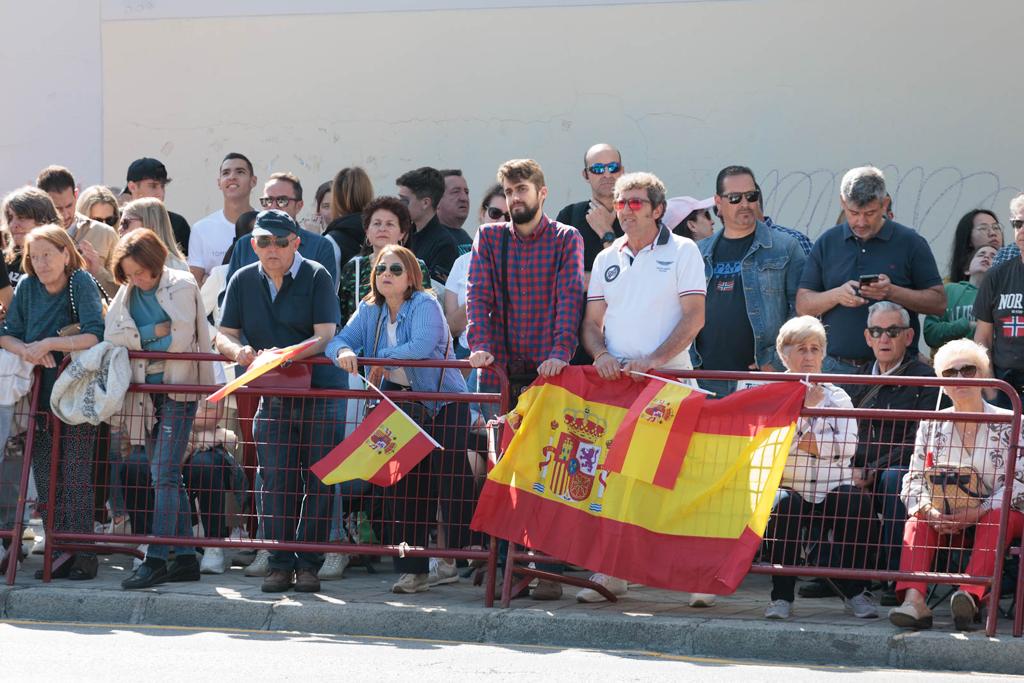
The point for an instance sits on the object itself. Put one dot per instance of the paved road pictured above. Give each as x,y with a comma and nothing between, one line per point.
120,652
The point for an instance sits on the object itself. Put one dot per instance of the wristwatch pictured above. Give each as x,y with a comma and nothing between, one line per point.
608,237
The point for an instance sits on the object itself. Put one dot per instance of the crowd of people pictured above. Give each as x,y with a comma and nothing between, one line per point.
627,280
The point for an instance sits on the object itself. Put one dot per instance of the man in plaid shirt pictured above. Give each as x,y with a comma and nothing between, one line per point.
525,296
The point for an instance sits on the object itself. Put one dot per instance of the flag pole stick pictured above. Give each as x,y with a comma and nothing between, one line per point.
395,406
673,381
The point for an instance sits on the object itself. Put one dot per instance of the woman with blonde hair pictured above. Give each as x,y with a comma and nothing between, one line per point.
99,204
150,212
57,310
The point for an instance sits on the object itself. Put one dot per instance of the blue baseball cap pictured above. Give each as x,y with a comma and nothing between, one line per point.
275,223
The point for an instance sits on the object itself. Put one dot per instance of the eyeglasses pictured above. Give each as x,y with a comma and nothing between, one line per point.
276,202
892,332
1017,224
988,227
494,213
264,241
734,197
395,268
966,371
599,169
634,203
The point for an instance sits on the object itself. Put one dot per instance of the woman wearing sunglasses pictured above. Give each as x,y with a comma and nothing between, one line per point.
151,213
386,222
99,204
397,319
958,320
956,481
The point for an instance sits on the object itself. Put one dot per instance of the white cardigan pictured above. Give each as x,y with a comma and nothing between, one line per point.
814,476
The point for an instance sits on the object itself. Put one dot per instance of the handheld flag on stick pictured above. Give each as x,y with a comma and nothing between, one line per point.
381,450
261,365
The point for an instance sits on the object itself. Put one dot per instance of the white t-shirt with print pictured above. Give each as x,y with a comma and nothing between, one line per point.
458,282
210,239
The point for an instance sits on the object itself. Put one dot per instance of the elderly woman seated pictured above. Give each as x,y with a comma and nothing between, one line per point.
956,481
817,491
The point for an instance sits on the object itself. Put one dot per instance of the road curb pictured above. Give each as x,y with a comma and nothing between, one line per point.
824,644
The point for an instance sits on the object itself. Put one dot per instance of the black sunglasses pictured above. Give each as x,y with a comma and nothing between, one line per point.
599,169
109,220
264,241
494,213
1017,224
892,331
395,268
278,202
734,197
966,371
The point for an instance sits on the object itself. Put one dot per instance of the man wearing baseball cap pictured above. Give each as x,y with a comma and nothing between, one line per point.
279,301
147,177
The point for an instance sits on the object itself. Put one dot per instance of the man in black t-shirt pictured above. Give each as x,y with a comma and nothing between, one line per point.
148,178
421,190
999,311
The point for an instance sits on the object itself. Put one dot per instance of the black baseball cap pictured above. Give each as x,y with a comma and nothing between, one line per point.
275,223
147,169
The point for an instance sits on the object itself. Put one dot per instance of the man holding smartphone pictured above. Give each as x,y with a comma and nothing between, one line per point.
865,259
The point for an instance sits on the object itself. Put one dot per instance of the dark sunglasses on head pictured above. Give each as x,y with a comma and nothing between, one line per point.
395,268
264,241
634,203
892,331
1017,224
966,371
109,220
276,202
599,169
494,213
735,197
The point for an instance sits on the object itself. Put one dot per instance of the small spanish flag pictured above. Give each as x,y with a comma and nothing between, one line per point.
381,450
651,443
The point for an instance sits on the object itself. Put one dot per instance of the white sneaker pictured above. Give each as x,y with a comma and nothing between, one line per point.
861,606
442,572
333,566
617,587
778,609
39,544
702,599
260,566
213,561
137,561
411,583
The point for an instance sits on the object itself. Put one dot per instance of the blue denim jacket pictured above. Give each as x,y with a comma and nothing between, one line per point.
771,273
421,334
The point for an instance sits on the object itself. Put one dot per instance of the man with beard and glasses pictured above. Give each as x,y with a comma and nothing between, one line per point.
525,295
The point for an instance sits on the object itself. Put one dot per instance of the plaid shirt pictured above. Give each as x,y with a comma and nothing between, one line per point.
802,239
545,293
1011,252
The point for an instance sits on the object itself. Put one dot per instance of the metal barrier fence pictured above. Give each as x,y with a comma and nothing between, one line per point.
15,464
824,525
249,487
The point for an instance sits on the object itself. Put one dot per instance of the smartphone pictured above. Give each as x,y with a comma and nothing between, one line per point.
868,279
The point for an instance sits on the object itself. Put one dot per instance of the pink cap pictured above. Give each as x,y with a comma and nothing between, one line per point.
678,208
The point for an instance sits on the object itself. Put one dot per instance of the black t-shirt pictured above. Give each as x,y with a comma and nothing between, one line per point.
727,340
5,280
576,216
462,240
181,229
435,245
1000,301
14,271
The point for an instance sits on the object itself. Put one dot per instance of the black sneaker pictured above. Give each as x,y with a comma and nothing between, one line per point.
183,568
146,576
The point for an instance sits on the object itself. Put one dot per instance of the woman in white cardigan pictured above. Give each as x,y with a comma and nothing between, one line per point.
957,480
817,492
160,309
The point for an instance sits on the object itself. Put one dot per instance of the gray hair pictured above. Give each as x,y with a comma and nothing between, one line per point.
888,307
863,185
642,180
797,330
1017,205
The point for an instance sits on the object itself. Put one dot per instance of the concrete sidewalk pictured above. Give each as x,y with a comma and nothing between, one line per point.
646,619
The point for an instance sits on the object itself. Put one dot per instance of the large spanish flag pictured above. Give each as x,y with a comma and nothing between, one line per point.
382,449
553,492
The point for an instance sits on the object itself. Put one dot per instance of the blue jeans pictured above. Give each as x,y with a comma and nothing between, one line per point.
888,484
165,449
291,434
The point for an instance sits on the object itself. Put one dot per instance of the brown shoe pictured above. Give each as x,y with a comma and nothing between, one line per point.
306,581
547,590
277,581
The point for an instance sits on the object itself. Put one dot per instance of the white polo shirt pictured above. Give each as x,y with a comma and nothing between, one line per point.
642,293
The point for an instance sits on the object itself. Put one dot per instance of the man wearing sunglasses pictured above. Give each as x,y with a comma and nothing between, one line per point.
148,178
281,300
595,218
212,236
867,258
752,274
283,192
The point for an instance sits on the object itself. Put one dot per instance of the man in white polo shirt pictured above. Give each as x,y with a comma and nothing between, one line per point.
645,301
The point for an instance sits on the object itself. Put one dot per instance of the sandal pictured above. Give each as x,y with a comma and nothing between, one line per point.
84,567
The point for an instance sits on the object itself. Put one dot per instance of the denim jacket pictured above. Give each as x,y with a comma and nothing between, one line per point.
771,273
421,334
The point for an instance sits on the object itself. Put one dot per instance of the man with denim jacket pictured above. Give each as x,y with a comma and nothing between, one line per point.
752,275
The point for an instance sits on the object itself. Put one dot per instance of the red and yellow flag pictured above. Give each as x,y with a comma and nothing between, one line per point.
261,365
382,449
553,491
660,421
